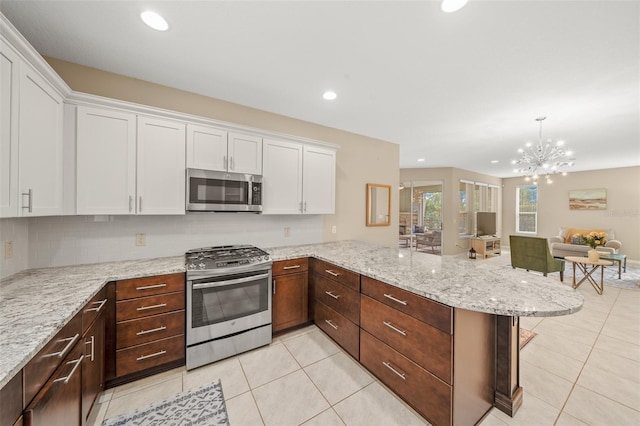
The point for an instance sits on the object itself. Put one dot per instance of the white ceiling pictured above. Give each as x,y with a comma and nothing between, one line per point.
456,89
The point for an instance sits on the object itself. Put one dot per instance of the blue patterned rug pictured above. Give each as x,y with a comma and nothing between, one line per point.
629,280
203,406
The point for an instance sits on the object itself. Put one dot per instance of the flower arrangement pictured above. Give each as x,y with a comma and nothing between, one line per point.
594,239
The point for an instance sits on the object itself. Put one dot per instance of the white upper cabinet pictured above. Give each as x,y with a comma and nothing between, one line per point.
297,178
245,153
206,148
319,180
161,166
106,161
9,84
211,148
40,146
282,177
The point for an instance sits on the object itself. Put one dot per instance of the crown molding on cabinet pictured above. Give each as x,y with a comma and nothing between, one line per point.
22,46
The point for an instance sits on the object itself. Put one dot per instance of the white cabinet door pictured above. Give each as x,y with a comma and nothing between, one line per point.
245,153
282,177
40,146
319,171
161,166
206,148
106,161
9,83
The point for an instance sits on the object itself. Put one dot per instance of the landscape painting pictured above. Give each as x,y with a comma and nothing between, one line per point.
588,199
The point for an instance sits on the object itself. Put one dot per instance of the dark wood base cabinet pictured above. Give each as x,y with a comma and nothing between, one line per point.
290,304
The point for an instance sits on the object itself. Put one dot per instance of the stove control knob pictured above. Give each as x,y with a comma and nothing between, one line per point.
201,265
192,266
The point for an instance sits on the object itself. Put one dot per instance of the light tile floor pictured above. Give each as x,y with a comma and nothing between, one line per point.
582,369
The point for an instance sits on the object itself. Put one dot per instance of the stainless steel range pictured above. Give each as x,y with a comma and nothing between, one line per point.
228,302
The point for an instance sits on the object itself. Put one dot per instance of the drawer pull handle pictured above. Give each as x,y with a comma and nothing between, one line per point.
402,302
77,363
144,308
291,267
64,351
102,303
329,271
335,296
401,375
92,342
331,324
394,328
153,330
143,357
149,287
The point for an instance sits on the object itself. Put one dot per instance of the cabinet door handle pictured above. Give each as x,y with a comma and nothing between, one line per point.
29,195
330,272
130,203
305,206
144,308
148,287
224,161
77,363
331,324
233,165
402,302
335,296
274,286
401,375
394,328
102,303
143,357
63,352
291,267
140,204
91,342
153,330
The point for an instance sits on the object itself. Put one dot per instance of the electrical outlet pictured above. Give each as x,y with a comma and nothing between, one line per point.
8,249
334,229
141,240
287,232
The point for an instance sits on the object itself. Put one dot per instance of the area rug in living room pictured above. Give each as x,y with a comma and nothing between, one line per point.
526,336
629,280
202,406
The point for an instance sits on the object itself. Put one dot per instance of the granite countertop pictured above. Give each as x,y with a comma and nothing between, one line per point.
36,304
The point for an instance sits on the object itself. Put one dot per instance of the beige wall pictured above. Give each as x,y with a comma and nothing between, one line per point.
360,159
451,177
623,205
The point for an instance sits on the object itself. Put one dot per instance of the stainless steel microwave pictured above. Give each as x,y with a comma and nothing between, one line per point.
212,191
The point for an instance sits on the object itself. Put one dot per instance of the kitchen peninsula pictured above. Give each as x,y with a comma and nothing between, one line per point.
36,304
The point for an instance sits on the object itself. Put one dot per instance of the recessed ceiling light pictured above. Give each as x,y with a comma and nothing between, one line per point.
154,20
452,5
420,160
495,161
329,95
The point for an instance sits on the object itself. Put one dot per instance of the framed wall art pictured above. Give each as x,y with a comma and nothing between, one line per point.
588,199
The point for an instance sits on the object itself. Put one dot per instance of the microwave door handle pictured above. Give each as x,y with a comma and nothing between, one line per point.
230,282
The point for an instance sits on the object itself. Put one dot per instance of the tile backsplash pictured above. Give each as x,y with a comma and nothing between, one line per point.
67,240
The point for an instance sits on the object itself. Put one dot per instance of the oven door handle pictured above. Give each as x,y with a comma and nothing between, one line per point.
230,282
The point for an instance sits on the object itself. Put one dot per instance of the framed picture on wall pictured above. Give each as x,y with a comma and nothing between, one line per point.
588,199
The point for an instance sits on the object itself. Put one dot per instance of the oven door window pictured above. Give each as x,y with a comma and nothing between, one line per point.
218,191
216,301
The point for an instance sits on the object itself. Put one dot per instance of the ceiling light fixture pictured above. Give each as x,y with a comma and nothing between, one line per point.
329,95
420,160
452,5
543,159
154,20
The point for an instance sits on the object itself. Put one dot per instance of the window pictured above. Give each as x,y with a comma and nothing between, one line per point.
465,215
527,209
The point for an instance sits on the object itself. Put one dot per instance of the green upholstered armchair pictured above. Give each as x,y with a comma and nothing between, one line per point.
532,254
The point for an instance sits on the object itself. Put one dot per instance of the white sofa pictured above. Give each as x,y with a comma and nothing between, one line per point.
562,247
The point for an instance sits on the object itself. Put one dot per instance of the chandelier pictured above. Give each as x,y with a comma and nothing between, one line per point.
543,159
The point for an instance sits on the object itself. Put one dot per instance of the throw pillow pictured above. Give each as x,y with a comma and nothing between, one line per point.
576,239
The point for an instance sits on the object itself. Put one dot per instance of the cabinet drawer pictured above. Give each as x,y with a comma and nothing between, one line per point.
149,286
338,297
290,266
339,328
144,330
40,368
11,400
434,313
430,396
425,345
95,307
336,273
138,358
145,306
